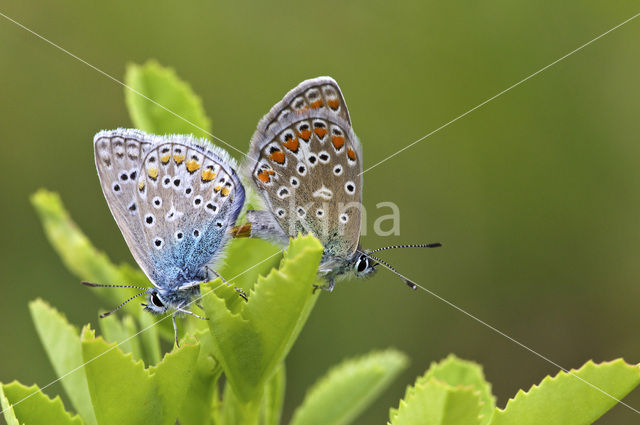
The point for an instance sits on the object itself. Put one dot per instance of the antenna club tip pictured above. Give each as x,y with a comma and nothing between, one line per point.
84,282
103,315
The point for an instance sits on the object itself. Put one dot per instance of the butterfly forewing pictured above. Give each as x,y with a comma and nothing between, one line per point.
307,165
118,155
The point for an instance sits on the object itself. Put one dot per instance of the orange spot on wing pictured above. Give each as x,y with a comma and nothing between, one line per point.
178,158
208,175
217,188
320,132
225,191
192,165
338,141
277,156
292,144
351,154
305,134
264,175
165,158
333,103
316,104
153,172
141,185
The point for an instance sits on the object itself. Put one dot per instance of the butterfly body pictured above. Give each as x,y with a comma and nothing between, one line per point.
174,199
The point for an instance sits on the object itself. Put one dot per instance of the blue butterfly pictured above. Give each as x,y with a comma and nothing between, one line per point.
174,199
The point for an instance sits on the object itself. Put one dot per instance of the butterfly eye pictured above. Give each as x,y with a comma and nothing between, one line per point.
363,263
156,300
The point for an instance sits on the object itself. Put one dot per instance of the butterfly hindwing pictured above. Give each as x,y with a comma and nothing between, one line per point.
191,198
307,163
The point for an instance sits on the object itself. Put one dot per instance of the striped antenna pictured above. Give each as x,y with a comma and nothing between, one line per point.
103,315
100,285
393,270
424,245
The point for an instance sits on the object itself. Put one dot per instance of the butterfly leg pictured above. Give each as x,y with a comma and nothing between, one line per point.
175,328
216,274
328,287
182,310
240,292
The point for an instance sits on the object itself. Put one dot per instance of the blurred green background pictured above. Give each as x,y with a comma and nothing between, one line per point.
535,195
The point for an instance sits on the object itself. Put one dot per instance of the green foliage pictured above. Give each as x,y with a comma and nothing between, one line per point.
161,86
250,344
568,399
107,381
32,407
454,391
123,391
61,342
456,372
347,389
434,402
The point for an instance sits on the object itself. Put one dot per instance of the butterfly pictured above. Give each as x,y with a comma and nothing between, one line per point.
174,199
306,163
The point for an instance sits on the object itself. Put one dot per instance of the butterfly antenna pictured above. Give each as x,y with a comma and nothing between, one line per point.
421,245
100,285
393,270
103,315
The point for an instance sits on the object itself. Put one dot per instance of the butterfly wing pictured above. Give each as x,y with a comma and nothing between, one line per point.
192,197
306,162
118,155
186,196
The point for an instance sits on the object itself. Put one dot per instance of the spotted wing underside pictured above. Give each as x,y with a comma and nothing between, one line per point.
306,162
179,205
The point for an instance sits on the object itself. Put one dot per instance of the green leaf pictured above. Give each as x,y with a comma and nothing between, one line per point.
432,402
7,409
238,412
566,399
32,407
61,342
161,86
246,263
252,343
79,255
273,398
122,332
456,372
340,396
123,391
201,396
